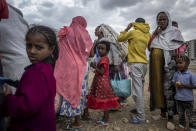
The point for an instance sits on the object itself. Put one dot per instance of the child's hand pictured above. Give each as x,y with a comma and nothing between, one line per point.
158,30
7,89
93,64
178,84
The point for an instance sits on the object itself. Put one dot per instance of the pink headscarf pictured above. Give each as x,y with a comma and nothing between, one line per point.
74,45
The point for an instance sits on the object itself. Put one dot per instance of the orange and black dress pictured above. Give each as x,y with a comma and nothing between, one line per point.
102,96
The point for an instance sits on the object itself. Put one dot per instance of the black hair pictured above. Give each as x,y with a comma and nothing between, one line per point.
162,13
98,27
165,14
185,59
106,43
50,37
174,22
140,20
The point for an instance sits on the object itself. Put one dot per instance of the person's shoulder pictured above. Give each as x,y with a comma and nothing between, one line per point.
191,73
179,74
176,73
104,59
175,29
41,67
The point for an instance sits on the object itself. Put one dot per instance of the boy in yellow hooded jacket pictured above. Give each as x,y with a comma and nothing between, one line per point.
138,39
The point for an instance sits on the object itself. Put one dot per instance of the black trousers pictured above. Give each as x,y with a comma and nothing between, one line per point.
186,107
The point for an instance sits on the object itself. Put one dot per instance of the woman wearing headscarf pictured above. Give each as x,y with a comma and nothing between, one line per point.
104,31
71,70
164,41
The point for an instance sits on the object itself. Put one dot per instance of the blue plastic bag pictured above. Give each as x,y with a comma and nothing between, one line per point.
6,80
121,87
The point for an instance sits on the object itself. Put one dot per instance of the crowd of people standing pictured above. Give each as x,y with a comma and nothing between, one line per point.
51,76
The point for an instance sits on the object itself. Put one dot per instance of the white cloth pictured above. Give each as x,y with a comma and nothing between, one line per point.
12,44
164,40
118,50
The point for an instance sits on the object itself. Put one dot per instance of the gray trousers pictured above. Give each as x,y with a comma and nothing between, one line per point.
138,72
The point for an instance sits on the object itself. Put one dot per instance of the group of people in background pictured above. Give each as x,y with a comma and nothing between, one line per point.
51,75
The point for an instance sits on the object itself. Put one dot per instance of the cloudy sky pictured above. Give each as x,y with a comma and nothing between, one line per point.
117,13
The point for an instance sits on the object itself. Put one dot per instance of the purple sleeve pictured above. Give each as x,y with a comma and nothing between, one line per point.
32,94
193,79
174,77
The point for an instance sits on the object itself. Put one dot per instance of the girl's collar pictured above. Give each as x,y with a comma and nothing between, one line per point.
48,60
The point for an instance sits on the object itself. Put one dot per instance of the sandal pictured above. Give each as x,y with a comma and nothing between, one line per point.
100,119
135,120
74,128
101,123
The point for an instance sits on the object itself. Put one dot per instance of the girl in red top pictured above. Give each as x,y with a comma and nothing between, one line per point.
102,96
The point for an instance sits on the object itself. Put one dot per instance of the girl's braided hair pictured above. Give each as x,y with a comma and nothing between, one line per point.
50,37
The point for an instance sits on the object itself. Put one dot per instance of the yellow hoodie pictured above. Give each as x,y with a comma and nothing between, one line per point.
138,40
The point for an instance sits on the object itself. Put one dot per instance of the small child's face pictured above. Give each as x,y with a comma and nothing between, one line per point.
102,49
37,48
181,65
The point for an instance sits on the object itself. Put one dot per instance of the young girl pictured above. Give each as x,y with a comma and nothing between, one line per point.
32,107
101,96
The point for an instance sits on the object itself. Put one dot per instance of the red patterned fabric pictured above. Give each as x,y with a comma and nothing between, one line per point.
104,61
102,96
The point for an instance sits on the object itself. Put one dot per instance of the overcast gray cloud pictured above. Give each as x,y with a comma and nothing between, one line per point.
47,4
110,4
117,13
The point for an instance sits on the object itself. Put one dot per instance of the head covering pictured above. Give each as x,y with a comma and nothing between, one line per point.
143,27
111,36
108,33
3,10
164,39
74,45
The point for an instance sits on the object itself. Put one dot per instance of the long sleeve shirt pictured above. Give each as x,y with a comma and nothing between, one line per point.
32,107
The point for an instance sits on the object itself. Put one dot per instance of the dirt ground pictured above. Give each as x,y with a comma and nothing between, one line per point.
119,119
